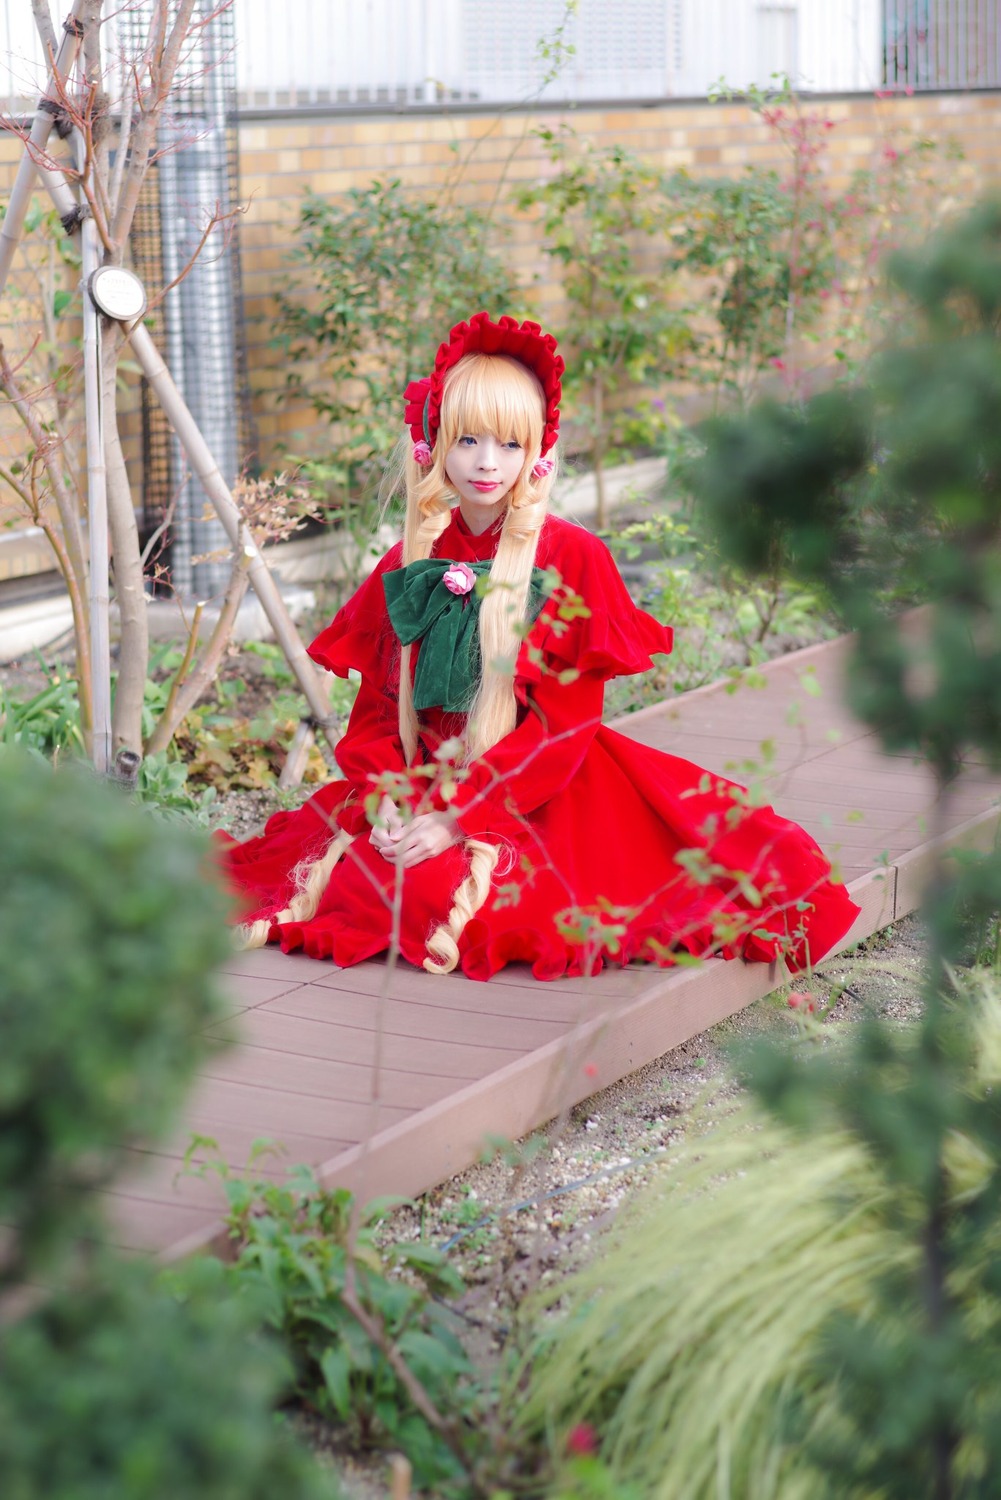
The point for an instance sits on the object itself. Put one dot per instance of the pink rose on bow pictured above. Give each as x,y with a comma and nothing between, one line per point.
459,579
423,455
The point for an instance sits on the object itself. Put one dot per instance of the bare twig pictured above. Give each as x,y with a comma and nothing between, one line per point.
124,135
47,449
374,1330
182,701
165,524
218,216
167,717
19,489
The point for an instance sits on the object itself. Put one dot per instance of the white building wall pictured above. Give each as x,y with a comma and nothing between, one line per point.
418,52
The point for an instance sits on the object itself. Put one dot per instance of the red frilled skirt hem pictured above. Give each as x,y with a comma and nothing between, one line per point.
485,949
613,894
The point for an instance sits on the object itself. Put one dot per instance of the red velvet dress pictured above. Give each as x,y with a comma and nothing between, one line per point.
609,849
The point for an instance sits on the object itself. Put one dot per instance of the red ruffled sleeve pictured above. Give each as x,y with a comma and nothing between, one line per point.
611,637
359,638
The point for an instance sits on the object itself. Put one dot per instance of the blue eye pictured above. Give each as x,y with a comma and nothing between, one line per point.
465,439
512,444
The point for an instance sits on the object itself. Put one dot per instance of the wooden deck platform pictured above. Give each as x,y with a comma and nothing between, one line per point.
392,1088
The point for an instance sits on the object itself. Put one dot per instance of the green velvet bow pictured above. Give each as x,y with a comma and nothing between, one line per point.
447,625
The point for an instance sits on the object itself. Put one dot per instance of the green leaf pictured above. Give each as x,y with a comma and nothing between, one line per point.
336,1371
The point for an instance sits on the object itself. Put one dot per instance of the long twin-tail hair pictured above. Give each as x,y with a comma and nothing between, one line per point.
483,393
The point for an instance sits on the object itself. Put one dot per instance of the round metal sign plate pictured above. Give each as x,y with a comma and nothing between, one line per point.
118,293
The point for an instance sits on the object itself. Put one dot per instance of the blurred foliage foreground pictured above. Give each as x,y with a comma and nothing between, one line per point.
111,1385
811,1305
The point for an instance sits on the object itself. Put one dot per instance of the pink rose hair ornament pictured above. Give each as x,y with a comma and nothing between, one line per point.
525,342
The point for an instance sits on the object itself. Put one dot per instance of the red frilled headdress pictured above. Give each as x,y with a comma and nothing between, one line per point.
525,342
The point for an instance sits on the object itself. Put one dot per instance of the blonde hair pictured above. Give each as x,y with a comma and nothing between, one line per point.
488,393
495,394
309,881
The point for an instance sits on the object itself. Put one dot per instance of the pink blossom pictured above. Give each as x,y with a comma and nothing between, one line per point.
800,998
779,364
542,467
591,1070
422,454
459,579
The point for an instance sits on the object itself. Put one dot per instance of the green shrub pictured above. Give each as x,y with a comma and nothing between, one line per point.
387,273
779,1316
340,1301
124,1391
605,218
112,1387
110,925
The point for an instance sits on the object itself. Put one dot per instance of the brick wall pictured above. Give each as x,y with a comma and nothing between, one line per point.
280,159
329,153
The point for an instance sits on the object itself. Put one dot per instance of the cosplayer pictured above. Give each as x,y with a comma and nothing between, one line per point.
486,816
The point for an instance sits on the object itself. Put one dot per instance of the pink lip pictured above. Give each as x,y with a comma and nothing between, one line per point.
484,484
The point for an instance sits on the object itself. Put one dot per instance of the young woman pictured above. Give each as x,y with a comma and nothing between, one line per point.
486,815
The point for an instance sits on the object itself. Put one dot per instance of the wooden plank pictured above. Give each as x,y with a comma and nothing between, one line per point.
325,1078
138,1224
412,1018
516,999
216,1101
355,1044
248,990
271,963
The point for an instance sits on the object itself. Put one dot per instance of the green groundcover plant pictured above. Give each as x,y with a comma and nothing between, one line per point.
367,1326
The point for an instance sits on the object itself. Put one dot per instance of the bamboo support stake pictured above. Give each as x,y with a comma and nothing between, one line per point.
298,755
97,509
400,1473
205,466
41,128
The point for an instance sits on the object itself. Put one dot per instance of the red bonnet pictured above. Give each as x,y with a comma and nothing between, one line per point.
524,342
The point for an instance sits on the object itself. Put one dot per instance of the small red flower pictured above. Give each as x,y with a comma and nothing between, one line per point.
800,998
582,1440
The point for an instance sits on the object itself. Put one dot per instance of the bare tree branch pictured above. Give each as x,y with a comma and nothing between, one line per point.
46,30
162,54
183,698
47,449
129,94
217,217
